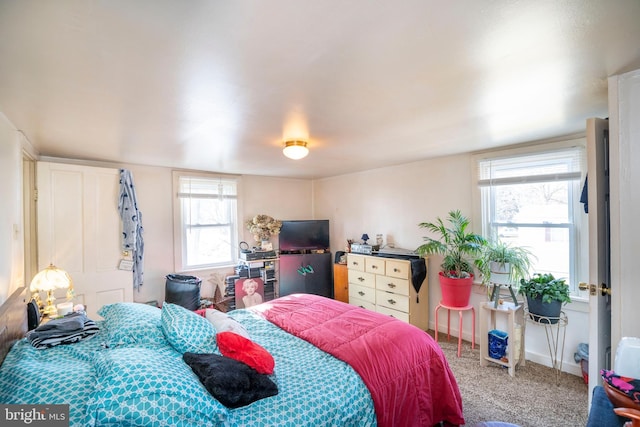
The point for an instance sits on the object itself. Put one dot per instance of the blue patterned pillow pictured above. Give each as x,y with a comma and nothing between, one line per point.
186,331
143,387
132,323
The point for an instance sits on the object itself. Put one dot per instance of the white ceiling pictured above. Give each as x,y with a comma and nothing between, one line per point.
217,85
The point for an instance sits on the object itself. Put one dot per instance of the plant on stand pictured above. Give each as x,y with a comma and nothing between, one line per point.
459,247
502,264
545,296
263,227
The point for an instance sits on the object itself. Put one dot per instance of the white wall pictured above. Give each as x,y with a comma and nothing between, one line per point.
11,223
394,200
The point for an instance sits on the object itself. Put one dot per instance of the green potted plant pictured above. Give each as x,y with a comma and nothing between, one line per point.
503,264
458,246
545,296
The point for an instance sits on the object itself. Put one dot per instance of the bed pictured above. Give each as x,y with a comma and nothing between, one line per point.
331,364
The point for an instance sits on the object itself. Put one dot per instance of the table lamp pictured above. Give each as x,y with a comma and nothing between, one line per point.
364,238
48,280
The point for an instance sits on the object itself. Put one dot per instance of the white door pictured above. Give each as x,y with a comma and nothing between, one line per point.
599,250
79,230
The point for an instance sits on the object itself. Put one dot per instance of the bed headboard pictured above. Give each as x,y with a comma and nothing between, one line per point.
13,320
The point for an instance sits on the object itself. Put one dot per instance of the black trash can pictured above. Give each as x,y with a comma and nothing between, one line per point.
183,290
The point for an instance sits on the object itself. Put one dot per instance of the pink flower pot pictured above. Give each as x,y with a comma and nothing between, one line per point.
455,292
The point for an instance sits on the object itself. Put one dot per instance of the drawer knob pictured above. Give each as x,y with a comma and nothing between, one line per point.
391,301
396,270
361,279
361,293
374,267
354,263
391,285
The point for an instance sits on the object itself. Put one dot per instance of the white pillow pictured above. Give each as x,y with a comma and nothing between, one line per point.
223,323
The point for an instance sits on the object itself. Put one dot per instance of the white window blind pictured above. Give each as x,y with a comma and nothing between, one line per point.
560,165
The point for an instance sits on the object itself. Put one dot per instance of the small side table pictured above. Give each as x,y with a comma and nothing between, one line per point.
553,327
488,314
459,310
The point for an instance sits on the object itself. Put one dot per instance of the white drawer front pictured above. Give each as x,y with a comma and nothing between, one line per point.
362,293
400,269
362,303
355,262
393,313
374,265
392,284
393,301
361,278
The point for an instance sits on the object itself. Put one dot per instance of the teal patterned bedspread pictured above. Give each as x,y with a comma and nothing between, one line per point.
146,383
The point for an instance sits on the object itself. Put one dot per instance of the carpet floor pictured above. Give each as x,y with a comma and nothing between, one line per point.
532,398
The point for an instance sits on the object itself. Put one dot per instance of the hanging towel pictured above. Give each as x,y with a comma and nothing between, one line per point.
584,197
131,226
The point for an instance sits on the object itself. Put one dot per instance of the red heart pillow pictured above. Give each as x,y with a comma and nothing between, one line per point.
244,350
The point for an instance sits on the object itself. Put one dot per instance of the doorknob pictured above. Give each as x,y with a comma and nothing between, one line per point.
593,289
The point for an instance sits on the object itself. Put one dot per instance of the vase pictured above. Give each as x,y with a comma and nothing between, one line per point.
265,245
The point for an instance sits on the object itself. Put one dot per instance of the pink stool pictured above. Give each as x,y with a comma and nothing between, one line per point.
459,310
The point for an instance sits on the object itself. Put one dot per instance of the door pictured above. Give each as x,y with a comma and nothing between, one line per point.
599,250
79,231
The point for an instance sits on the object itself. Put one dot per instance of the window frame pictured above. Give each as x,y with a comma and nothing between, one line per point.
180,226
578,222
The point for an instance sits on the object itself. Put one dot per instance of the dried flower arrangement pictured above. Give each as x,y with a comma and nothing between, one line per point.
263,227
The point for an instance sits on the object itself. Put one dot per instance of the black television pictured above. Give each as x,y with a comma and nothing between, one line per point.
303,236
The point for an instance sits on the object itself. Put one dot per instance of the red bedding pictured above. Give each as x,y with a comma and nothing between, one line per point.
403,367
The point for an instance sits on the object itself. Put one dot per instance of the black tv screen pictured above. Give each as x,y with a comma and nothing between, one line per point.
304,235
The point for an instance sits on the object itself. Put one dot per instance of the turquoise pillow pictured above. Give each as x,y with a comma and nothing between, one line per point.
139,386
132,323
187,331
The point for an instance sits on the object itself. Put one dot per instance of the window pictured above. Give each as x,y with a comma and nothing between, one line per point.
205,215
532,199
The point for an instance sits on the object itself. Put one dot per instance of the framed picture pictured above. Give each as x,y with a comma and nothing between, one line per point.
249,292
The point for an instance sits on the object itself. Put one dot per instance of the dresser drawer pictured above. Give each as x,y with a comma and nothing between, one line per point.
392,284
399,269
393,301
362,303
362,278
374,265
355,262
393,313
362,293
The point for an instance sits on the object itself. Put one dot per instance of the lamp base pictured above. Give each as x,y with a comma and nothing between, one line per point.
50,310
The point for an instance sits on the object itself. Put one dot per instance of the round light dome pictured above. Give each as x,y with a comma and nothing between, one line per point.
295,149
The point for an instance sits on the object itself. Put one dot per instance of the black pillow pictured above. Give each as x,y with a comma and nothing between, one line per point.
233,383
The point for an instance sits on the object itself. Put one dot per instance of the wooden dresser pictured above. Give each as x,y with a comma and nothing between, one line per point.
384,285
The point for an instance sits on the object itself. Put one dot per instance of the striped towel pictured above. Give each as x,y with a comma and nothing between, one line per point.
61,331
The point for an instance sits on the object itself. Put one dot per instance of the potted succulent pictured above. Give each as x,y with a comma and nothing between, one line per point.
503,264
458,246
545,296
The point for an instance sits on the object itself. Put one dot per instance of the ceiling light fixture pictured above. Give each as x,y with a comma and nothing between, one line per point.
295,149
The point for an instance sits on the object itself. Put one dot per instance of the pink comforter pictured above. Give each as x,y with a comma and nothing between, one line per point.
403,367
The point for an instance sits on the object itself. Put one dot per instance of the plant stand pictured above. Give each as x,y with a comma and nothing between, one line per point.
495,293
488,314
459,310
553,331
